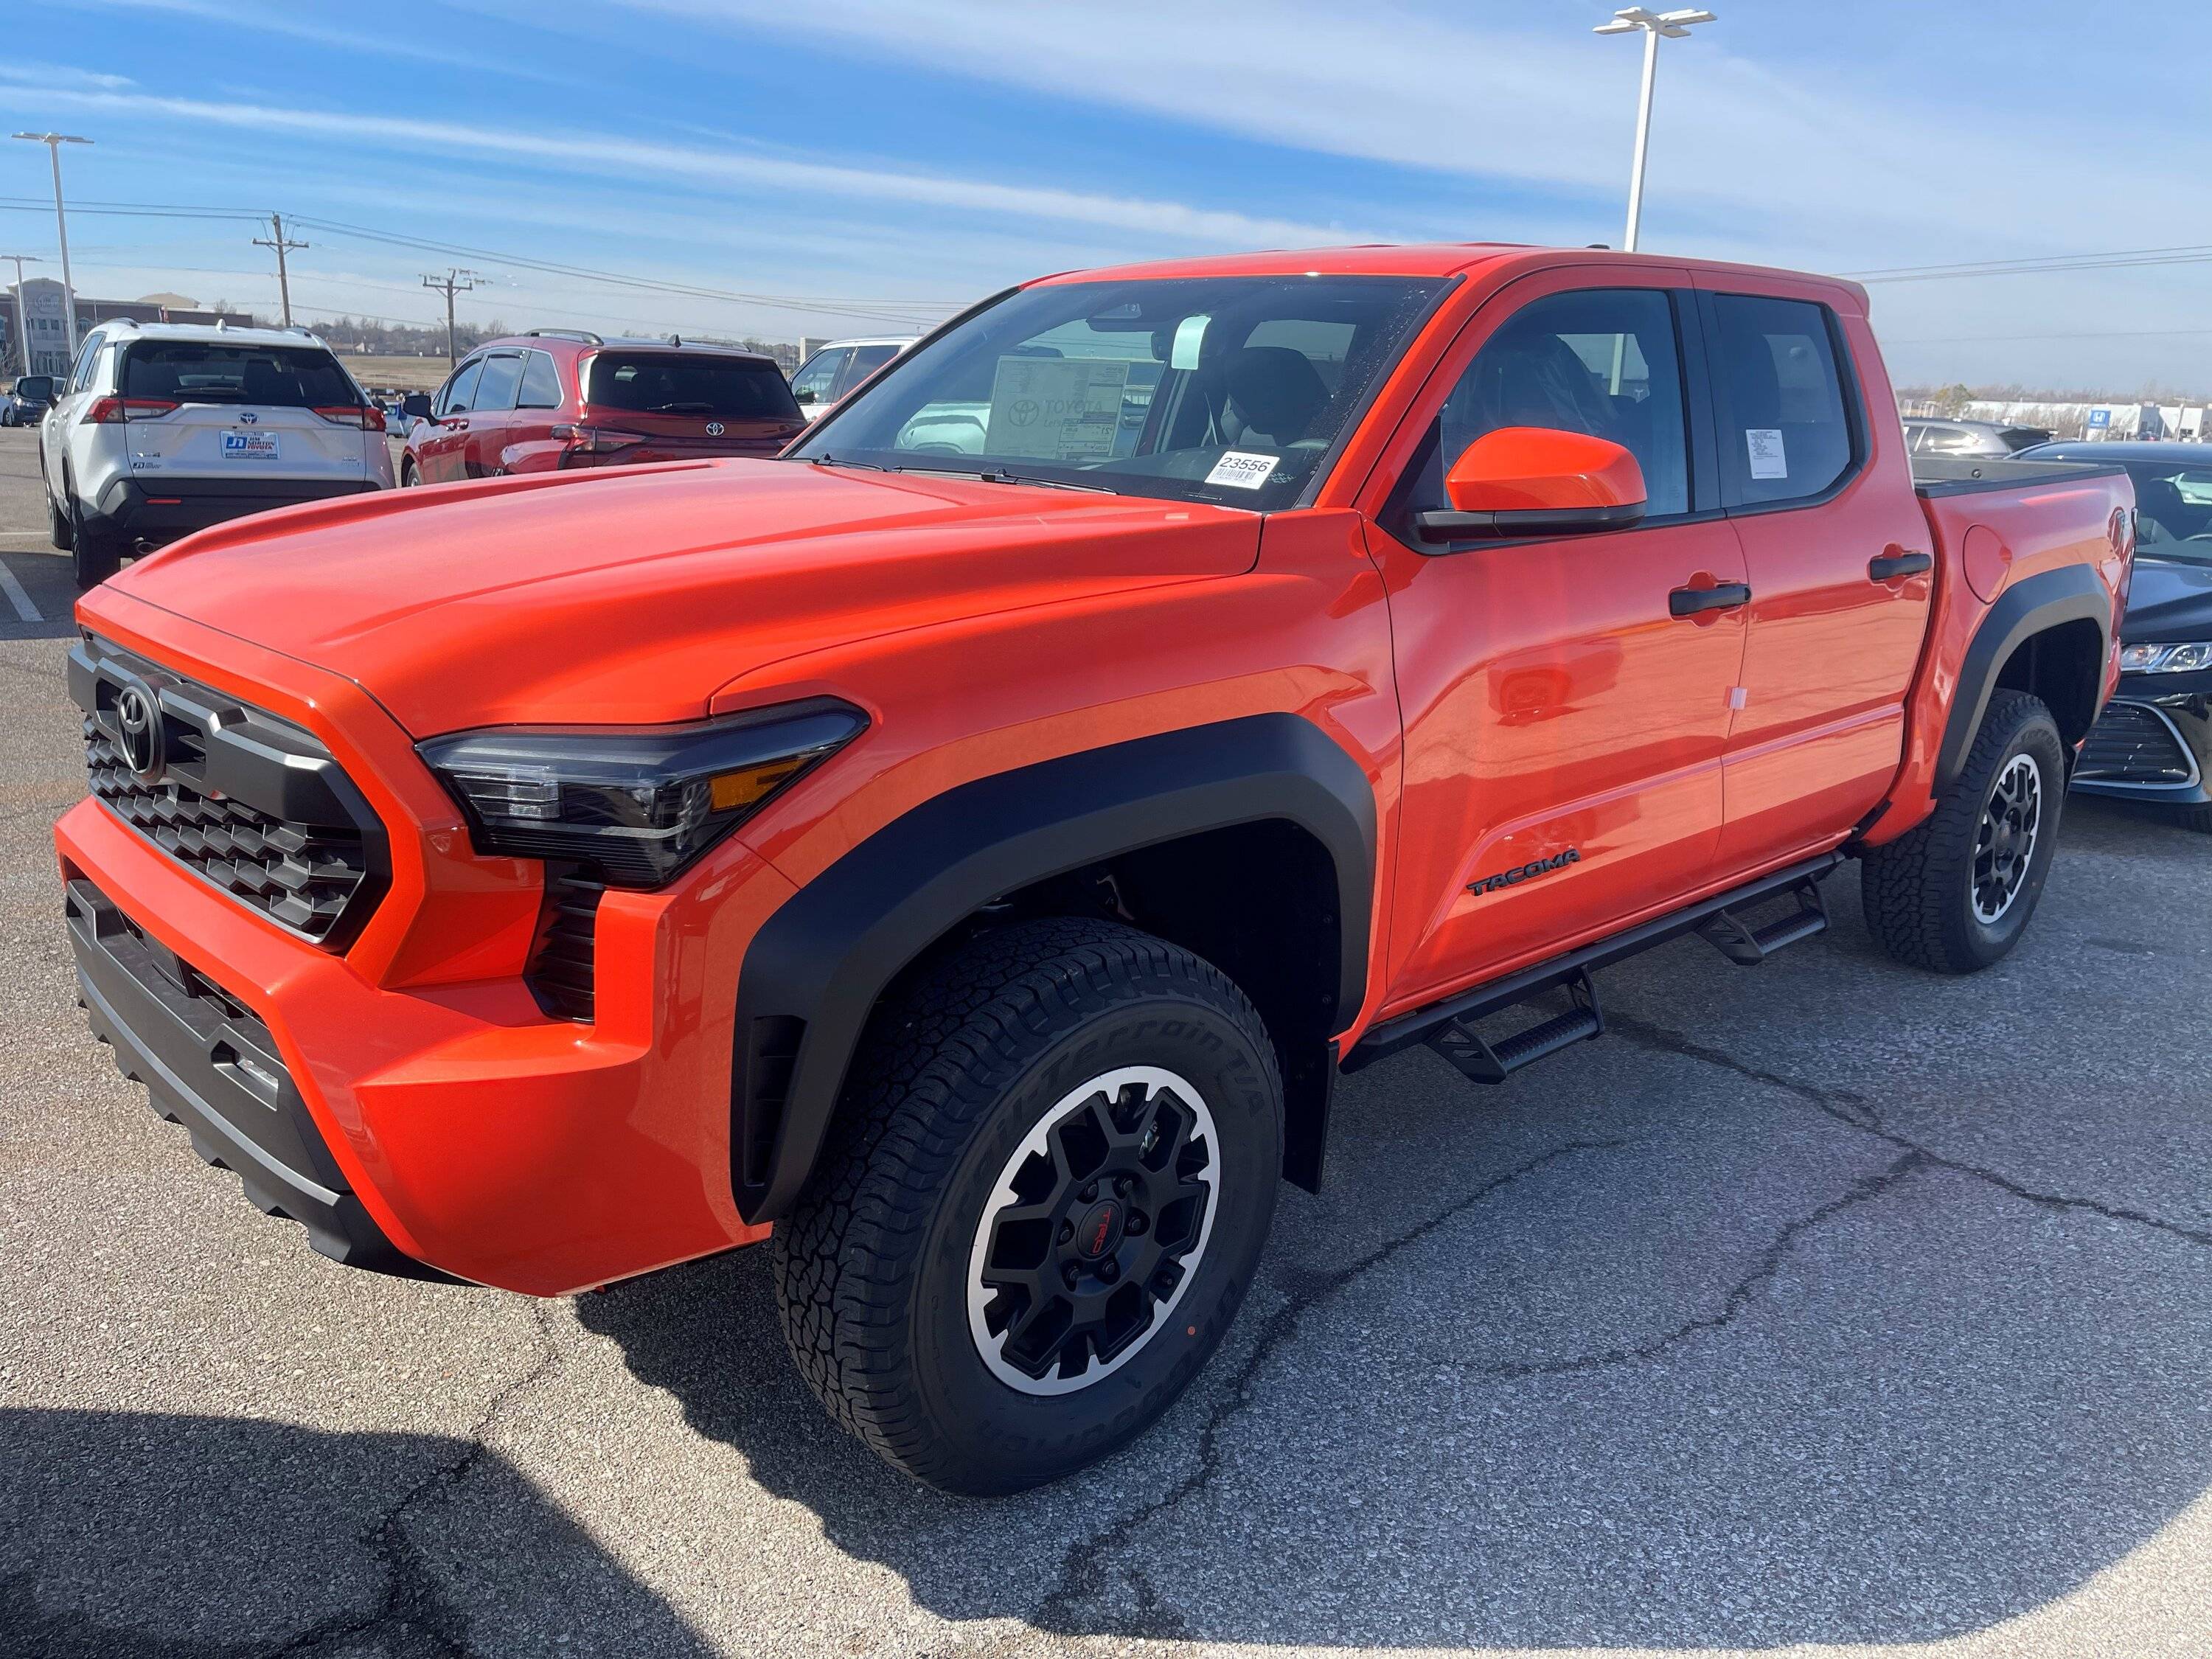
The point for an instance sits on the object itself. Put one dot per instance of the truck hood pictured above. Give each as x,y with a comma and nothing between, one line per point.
632,596
2169,599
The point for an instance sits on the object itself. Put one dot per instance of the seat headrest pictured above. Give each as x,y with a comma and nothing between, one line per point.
1275,390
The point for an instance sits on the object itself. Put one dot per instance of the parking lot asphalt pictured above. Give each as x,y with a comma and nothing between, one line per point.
1826,1305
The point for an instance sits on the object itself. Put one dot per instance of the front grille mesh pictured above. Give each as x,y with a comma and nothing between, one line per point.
2130,744
299,875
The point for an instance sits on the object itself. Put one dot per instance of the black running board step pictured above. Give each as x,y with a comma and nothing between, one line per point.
1748,947
1482,1061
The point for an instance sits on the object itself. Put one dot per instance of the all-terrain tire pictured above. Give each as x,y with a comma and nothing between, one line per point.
1918,892
965,1064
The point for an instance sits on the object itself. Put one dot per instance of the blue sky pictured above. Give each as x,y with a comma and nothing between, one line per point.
854,163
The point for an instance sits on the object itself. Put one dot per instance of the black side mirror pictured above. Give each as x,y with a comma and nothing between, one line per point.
804,394
416,405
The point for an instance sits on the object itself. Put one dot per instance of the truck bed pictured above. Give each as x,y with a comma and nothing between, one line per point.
1936,475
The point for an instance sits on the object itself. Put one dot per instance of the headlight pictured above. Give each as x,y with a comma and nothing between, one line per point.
637,803
2166,658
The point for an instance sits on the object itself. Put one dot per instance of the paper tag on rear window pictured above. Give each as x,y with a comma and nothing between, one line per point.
1241,468
1767,460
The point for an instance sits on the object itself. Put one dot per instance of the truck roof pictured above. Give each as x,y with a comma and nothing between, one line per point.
1425,259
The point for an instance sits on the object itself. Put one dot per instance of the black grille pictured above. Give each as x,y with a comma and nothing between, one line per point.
2132,743
252,803
562,972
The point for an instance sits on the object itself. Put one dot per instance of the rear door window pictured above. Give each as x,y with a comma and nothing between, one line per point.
541,383
501,380
865,361
1787,422
682,383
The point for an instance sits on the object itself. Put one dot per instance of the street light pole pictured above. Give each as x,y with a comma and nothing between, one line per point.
53,142
22,317
1675,25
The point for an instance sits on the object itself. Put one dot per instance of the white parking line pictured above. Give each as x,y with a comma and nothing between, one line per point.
17,597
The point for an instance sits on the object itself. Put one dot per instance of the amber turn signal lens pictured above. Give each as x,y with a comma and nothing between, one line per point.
731,790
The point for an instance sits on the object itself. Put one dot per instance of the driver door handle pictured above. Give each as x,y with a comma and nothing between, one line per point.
1888,567
1690,601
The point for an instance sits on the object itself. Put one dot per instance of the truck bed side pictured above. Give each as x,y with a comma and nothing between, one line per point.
2031,560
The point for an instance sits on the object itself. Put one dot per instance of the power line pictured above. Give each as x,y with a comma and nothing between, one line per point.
449,285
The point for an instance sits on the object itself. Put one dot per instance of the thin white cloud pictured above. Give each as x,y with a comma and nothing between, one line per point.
62,76
607,154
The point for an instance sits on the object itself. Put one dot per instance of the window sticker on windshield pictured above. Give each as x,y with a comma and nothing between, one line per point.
1767,460
1056,409
1242,468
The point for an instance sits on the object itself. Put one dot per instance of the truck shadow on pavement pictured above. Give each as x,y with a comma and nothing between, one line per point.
138,1535
1670,1350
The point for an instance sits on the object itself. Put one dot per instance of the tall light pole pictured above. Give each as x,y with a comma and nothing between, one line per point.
53,142
1675,25
22,317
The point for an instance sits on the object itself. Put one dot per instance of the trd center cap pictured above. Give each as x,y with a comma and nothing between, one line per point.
1100,1229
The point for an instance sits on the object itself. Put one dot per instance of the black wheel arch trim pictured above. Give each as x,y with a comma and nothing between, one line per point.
2035,604
816,970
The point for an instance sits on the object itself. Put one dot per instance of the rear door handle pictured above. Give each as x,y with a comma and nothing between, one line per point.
1890,566
1689,601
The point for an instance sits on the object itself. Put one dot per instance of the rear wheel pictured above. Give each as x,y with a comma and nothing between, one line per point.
60,527
1043,1202
408,479
98,551
1956,893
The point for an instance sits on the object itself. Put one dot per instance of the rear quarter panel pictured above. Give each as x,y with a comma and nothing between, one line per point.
1986,542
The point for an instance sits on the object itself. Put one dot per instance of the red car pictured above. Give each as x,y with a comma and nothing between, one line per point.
553,399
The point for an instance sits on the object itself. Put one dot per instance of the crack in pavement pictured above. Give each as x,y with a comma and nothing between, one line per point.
1856,1112
1083,1576
412,1603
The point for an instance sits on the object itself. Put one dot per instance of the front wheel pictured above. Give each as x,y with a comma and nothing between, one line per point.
1043,1199
1955,894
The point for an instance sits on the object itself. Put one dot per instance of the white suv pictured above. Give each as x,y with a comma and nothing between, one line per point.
165,429
837,367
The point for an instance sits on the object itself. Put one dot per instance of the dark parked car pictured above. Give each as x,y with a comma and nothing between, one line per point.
2155,741
28,403
1932,437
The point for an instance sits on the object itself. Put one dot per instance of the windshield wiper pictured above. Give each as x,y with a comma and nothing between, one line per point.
846,460
692,407
999,475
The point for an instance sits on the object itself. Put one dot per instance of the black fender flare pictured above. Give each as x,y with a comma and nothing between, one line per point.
2033,605
816,970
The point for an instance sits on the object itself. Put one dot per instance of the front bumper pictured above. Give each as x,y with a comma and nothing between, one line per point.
212,1067
2150,747
477,1135
162,510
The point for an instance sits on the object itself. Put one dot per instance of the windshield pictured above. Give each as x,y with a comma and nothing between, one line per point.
677,383
1227,389
2174,510
273,377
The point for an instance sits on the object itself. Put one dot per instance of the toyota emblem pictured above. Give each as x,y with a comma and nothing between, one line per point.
247,417
714,428
138,732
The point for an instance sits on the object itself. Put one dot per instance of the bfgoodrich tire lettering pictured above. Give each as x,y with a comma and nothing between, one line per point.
958,1070
1931,898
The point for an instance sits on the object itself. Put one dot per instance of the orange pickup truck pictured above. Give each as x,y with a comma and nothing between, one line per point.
966,850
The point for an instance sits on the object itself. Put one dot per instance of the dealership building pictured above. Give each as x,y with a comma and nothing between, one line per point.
41,308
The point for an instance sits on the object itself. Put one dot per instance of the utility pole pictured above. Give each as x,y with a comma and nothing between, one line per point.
455,280
1675,25
284,280
22,318
53,142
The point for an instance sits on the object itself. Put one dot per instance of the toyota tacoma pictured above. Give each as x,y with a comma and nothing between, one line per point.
964,851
